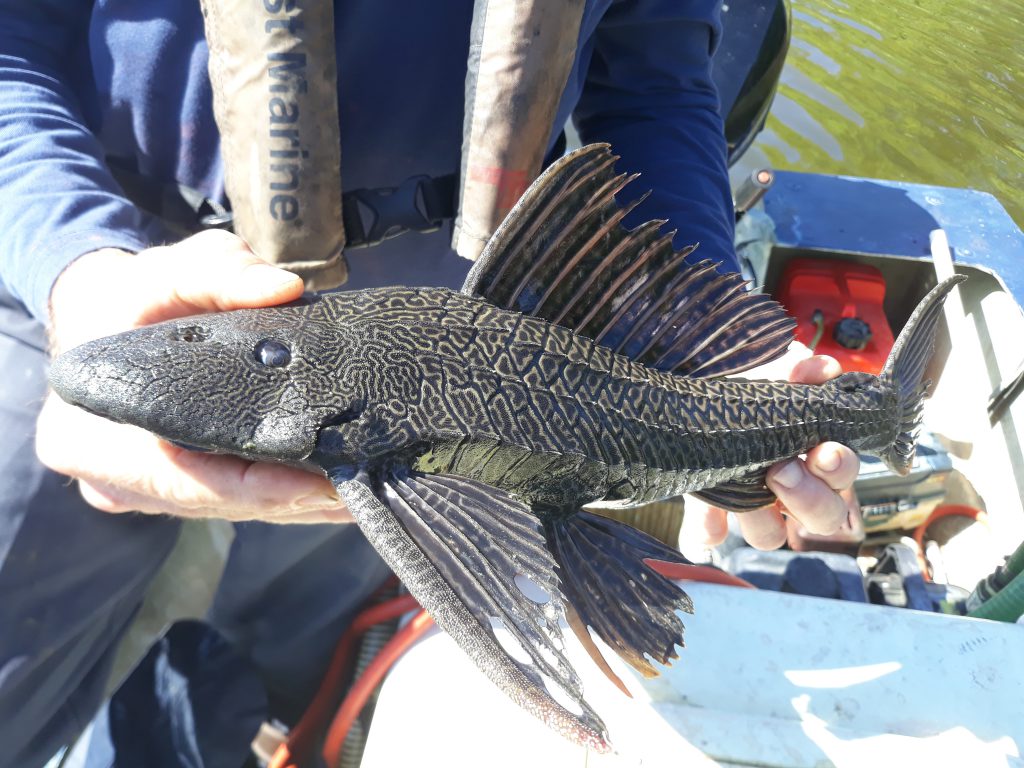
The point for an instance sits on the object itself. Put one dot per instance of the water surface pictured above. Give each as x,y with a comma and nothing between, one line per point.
926,91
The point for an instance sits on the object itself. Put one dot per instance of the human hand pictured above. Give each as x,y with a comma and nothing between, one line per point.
121,468
815,491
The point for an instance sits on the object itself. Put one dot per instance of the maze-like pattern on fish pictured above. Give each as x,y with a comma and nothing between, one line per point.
529,406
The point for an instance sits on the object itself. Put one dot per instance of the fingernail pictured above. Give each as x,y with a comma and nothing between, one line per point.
830,367
828,459
267,276
789,476
318,501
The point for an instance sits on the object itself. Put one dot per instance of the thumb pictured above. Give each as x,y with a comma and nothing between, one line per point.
212,271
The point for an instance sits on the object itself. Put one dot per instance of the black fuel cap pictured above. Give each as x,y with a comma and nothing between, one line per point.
852,333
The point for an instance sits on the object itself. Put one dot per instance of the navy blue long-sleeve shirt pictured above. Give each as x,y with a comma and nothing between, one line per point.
81,80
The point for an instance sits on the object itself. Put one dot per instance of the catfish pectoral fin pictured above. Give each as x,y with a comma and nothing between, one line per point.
615,592
458,546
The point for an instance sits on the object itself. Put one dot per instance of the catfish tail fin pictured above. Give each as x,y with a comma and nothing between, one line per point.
904,371
612,590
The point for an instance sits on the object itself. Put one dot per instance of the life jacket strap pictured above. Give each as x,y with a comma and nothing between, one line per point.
418,204
371,215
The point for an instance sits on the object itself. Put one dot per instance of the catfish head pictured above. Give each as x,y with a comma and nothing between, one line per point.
257,383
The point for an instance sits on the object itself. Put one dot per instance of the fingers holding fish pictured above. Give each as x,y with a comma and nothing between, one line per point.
704,525
123,468
109,290
211,271
708,526
763,528
834,464
113,500
811,490
221,486
816,369
105,498
815,495
810,498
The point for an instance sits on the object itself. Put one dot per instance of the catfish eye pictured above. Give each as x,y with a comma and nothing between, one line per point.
272,353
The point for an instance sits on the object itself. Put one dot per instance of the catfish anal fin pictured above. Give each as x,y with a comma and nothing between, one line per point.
741,495
433,531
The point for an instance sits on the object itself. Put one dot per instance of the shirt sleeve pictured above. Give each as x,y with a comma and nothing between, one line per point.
57,197
649,93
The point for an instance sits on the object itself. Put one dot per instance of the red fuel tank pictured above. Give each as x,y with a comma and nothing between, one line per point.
840,304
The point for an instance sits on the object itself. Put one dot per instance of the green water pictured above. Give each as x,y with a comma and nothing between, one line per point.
927,91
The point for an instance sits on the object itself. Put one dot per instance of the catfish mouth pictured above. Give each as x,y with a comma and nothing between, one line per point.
335,420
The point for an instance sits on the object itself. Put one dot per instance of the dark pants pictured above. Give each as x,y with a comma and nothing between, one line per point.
71,579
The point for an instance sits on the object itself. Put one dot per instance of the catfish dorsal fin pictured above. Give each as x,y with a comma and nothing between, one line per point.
562,255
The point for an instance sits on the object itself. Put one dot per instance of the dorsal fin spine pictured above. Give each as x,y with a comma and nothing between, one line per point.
610,258
612,289
603,231
606,192
591,167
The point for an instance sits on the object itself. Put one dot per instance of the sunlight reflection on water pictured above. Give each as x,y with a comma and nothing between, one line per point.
895,90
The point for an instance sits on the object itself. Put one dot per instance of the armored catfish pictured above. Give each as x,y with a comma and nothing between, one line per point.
580,363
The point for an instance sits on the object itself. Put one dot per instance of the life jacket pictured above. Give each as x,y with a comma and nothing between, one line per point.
274,79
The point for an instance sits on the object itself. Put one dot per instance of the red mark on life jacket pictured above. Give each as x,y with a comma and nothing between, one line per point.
510,184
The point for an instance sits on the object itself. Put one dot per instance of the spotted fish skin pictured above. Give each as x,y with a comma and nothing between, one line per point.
464,430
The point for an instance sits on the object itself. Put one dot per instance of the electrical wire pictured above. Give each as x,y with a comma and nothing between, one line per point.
818,318
363,687
288,755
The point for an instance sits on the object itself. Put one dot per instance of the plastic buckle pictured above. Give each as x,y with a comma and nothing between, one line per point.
388,212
